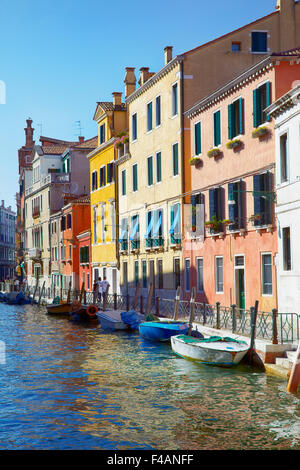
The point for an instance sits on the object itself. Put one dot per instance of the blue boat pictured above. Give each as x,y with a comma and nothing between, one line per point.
162,330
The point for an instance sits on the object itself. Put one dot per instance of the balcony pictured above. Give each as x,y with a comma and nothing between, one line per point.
123,246
175,241
154,243
34,253
134,245
123,154
49,179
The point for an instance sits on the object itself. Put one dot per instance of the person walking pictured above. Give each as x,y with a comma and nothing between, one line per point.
105,287
95,291
100,290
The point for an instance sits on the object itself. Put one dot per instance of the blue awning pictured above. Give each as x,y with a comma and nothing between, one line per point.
158,225
150,225
175,222
123,235
134,229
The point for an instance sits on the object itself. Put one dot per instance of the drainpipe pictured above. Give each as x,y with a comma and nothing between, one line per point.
182,151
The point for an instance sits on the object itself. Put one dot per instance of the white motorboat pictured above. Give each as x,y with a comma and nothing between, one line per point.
214,350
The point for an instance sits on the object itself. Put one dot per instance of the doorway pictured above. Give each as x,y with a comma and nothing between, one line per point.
240,294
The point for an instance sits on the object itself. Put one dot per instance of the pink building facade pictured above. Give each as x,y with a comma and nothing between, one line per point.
233,177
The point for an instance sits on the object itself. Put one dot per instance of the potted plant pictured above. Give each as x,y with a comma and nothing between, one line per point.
254,217
214,152
234,144
260,132
215,224
195,160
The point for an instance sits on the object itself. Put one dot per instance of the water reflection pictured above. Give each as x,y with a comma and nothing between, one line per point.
68,386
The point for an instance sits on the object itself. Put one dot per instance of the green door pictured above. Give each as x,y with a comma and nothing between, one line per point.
241,288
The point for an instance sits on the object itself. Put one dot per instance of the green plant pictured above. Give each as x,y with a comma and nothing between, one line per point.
215,223
195,160
214,152
234,144
260,131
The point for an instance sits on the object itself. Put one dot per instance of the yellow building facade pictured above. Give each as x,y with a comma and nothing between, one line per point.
111,119
151,183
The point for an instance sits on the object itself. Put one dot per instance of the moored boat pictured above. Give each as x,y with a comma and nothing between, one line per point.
60,309
162,330
111,320
85,314
215,350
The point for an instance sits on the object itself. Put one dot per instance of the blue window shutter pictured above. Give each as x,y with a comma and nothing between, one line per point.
212,203
232,208
219,202
241,112
230,123
268,201
193,204
217,128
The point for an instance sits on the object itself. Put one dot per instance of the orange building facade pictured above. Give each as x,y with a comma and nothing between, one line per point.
230,255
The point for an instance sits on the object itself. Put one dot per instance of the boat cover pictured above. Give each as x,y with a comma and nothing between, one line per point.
131,318
211,339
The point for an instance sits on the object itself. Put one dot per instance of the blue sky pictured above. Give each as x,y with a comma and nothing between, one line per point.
57,58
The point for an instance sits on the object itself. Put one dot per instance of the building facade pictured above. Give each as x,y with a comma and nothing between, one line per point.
286,114
111,118
233,178
7,242
85,268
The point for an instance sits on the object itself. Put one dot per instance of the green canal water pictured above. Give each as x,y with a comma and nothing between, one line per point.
68,386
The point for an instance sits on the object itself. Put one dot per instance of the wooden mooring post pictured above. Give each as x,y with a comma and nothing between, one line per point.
136,296
41,293
192,311
294,379
149,300
176,303
35,289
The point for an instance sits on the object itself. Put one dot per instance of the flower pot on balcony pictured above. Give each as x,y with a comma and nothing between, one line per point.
260,132
214,152
234,144
194,161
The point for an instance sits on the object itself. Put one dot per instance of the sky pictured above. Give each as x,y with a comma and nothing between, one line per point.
59,57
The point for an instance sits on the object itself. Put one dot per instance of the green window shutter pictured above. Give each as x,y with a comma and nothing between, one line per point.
135,180
150,171
217,128
241,115
256,108
175,159
197,130
268,96
124,182
230,121
158,167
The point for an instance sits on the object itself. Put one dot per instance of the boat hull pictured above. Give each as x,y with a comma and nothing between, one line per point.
162,331
221,354
81,316
111,320
59,309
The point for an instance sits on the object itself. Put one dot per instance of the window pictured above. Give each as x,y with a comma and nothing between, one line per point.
286,248
135,232
123,238
149,117
144,274
283,158
134,178
84,254
136,272
176,272
123,182
95,224
259,41
217,128
158,167
69,221
102,176
266,262
196,201
175,230
216,198
158,111
200,274
110,172
125,275
187,273
236,46
70,251
160,274
236,205
134,126
103,225
94,180
197,135
175,159
262,196
63,223
157,231
174,99
219,275
102,133
150,170
113,220
235,118
261,100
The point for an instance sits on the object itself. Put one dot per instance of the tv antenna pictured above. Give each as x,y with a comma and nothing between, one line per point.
79,128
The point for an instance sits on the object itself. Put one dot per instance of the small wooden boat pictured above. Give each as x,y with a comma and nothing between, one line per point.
214,350
162,330
111,320
60,309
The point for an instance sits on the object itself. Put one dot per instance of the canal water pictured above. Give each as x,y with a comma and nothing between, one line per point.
68,386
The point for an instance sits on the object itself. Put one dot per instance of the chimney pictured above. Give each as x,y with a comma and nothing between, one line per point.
144,75
117,98
168,54
287,21
81,139
130,81
29,134
2,203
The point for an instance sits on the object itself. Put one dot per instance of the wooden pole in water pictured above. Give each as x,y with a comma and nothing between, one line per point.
148,307
69,293
192,311
294,379
136,297
176,303
36,286
81,293
41,293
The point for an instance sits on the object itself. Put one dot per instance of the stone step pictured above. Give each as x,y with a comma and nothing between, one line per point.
284,362
274,369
